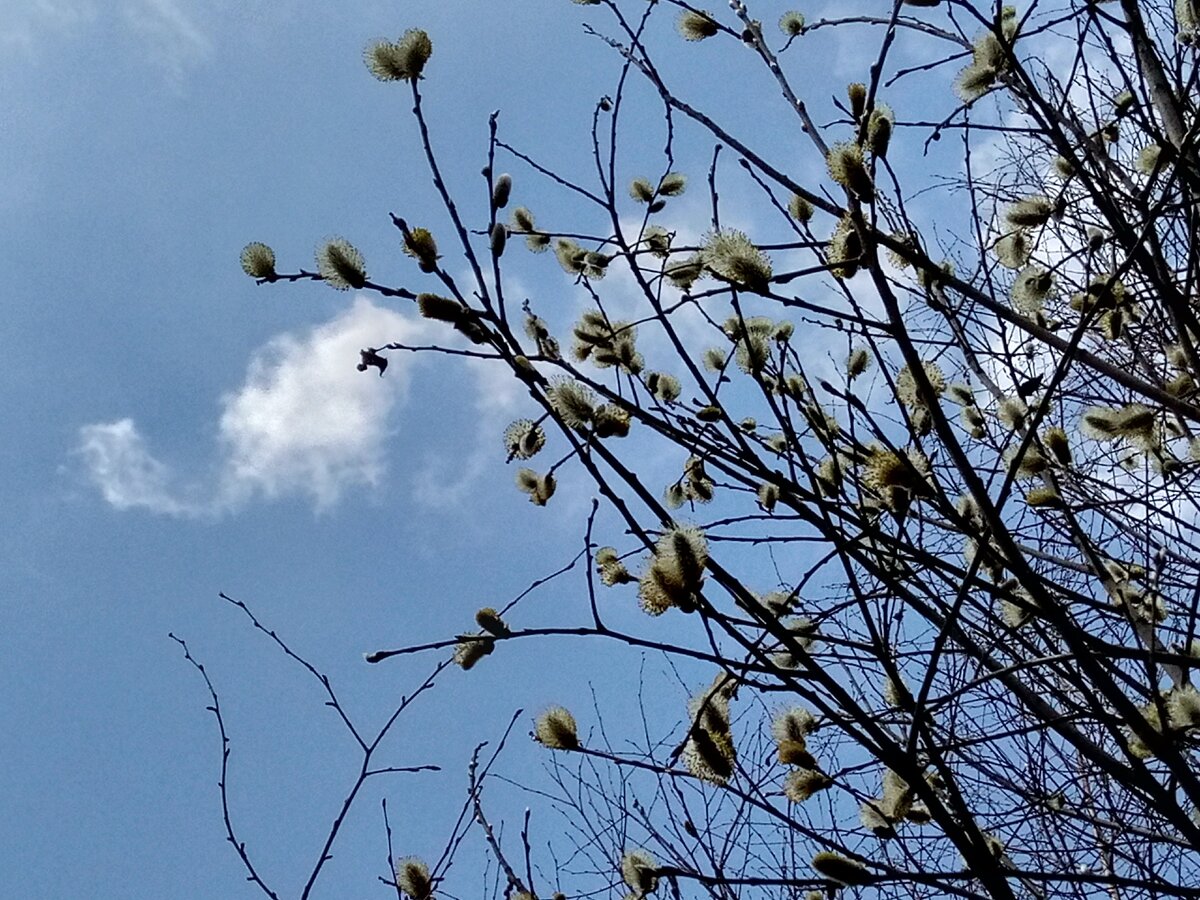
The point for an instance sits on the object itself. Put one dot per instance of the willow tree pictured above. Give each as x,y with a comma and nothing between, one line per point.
933,423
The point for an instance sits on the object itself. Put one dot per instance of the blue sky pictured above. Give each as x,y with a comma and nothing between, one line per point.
172,430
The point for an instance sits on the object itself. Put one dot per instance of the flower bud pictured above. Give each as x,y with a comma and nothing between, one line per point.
341,265
258,261
501,191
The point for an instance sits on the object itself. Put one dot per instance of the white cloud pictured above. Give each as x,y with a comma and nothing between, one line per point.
304,423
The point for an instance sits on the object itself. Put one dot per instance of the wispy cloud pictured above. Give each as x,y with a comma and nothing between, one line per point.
442,481
304,423
170,35
127,474
23,25
169,31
